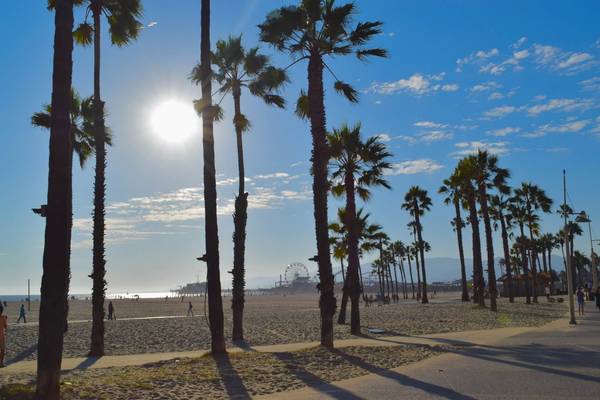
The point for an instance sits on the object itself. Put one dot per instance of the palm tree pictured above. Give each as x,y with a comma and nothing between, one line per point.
210,113
489,176
399,250
518,214
59,215
315,30
451,188
82,122
357,165
417,202
532,198
414,250
498,204
122,17
466,174
409,257
238,68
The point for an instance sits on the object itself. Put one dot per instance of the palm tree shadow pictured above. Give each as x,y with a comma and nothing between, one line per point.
403,379
234,386
23,354
313,381
87,363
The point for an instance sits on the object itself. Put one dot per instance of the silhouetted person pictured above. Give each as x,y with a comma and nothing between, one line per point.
111,311
598,297
580,300
3,327
190,311
22,314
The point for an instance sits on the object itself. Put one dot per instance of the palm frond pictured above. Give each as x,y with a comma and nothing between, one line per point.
302,107
348,91
362,54
84,34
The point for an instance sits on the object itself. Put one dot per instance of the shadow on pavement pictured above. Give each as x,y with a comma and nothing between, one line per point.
22,355
234,386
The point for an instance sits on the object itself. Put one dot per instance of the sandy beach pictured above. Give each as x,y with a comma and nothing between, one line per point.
269,319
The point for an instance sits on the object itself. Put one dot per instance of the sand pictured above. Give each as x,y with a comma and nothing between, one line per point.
268,320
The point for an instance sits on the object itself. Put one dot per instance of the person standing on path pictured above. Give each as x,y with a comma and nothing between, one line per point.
580,300
3,327
190,311
111,311
22,315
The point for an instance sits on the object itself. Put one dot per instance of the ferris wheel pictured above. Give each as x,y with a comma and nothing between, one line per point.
296,271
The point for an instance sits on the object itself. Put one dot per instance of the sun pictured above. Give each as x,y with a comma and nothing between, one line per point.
174,121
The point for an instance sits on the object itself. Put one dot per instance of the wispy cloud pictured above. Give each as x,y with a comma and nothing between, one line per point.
499,112
417,84
429,124
591,85
566,62
468,148
567,127
513,62
562,105
476,57
485,86
411,167
503,131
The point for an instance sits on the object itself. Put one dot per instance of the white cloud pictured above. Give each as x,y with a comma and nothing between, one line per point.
519,43
499,112
429,124
384,137
475,58
563,105
496,96
485,86
418,84
562,61
415,167
568,127
503,131
468,148
434,136
592,84
513,62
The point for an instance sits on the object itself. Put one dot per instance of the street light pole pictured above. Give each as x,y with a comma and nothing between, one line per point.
569,275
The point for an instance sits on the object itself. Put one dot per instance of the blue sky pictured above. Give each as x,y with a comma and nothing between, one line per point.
521,79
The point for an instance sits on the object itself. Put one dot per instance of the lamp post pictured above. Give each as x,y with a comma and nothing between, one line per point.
584,218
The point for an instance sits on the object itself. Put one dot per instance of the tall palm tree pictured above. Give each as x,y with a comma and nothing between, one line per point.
451,188
82,121
124,26
356,165
59,206
489,176
399,250
414,250
417,202
409,257
466,175
238,68
533,199
498,205
518,214
315,30
210,112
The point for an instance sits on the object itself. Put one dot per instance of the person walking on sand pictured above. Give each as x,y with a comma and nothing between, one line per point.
190,311
3,327
22,314
111,311
580,300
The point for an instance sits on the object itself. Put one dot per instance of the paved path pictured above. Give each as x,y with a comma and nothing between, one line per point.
473,337
557,361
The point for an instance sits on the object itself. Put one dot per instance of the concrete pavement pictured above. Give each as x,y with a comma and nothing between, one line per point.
557,361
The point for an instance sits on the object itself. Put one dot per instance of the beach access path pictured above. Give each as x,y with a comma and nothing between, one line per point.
466,338
555,361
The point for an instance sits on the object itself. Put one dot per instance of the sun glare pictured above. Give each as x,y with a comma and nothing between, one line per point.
174,121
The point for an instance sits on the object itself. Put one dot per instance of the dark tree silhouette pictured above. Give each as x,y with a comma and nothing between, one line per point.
122,17
59,215
314,30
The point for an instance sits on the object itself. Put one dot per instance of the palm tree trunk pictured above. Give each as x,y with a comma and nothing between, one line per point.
59,216
240,218
418,268
489,245
412,283
424,298
353,288
320,158
525,266
344,305
213,275
98,263
396,281
461,253
478,282
544,260
550,259
404,284
511,292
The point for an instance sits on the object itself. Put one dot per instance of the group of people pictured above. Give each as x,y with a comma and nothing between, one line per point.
582,295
